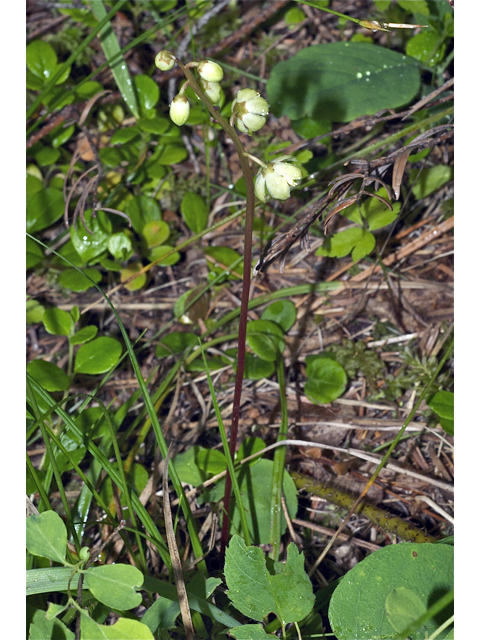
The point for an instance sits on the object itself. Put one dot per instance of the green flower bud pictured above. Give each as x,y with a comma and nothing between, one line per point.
210,71
277,178
84,553
179,109
213,90
164,60
249,110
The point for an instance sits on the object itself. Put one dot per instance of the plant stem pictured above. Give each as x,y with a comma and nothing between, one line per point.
247,264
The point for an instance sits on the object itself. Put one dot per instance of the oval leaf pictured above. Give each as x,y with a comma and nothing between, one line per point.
114,585
326,379
342,79
47,536
51,377
98,356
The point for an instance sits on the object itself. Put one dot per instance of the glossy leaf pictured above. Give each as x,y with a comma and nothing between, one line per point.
194,212
140,210
343,80
165,255
137,283
84,335
175,343
120,246
257,368
77,281
250,632
58,322
170,154
91,245
34,254
427,47
266,339
148,94
51,377
326,379
197,464
47,536
283,312
44,208
35,311
155,232
223,258
98,356
41,59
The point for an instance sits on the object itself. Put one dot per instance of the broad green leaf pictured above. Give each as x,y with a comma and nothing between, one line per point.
426,570
34,253
403,607
248,447
255,592
98,356
34,184
85,334
115,585
41,59
58,322
342,80
194,212
140,210
123,629
155,232
250,632
442,404
157,125
355,240
326,379
123,136
161,615
175,342
77,281
415,6
47,156
148,94
427,47
373,212
137,283
55,610
222,259
120,246
44,208
51,377
165,255
256,368
266,339
47,536
170,154
430,180
91,245
35,311
41,628
283,312
62,136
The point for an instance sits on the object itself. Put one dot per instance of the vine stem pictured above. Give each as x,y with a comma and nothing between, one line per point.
247,264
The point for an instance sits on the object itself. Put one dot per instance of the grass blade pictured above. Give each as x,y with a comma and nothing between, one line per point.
112,49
